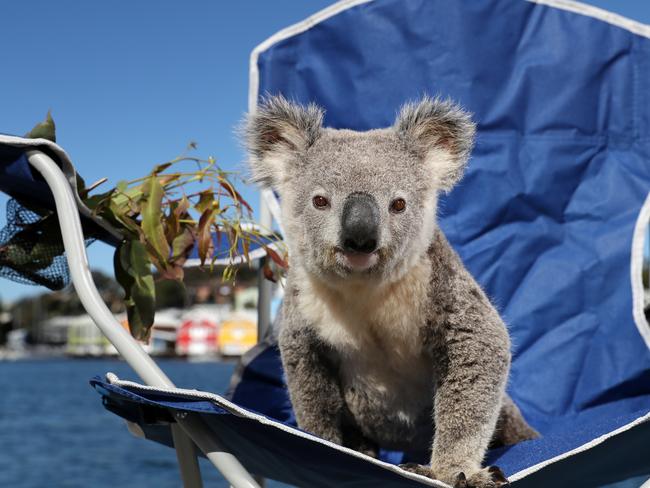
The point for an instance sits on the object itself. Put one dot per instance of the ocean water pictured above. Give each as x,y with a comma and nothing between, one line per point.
54,431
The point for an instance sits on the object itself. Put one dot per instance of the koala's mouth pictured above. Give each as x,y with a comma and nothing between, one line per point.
357,261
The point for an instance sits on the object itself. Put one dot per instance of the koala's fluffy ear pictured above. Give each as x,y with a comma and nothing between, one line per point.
277,133
439,132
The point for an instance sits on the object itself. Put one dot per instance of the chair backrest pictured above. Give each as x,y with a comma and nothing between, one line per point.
546,214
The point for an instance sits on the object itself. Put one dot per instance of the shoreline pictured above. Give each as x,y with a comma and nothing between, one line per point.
38,353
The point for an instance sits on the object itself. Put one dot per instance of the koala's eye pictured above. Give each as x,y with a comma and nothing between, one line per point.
320,202
398,205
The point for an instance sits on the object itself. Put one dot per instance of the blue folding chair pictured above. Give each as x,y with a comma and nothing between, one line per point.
549,218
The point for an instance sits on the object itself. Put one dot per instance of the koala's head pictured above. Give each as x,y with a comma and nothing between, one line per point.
358,205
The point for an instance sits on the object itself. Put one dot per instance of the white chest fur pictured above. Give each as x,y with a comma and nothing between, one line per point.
366,316
376,333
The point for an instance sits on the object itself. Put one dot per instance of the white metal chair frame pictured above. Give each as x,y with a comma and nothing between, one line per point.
189,430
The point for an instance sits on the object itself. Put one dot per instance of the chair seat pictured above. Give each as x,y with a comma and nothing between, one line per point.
597,446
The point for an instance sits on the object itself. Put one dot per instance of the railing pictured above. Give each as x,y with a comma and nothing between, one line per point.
189,430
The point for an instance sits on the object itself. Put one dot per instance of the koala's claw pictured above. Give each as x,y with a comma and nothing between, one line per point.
417,469
491,477
498,478
461,481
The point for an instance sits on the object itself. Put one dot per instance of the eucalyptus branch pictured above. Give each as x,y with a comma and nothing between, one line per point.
161,229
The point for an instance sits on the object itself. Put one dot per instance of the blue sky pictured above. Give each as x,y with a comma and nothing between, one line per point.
131,83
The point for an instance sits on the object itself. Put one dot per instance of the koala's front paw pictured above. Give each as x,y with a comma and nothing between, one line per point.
491,477
417,469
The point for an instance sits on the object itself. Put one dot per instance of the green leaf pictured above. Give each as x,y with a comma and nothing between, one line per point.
205,201
204,236
152,225
81,185
99,201
171,224
133,271
177,211
182,244
44,130
120,267
124,195
119,213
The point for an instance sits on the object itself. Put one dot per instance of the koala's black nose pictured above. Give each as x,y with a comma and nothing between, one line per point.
360,223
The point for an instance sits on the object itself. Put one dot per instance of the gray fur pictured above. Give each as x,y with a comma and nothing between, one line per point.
283,128
373,351
433,123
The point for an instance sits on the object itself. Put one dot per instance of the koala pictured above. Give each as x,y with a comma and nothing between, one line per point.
386,339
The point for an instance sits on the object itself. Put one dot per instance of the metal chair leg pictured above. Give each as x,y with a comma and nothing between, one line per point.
188,462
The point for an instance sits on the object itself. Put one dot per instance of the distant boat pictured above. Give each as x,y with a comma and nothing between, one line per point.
238,333
197,338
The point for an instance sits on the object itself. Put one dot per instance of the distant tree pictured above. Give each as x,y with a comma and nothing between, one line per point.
30,312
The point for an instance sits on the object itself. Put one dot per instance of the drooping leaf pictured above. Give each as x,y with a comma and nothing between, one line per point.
181,247
277,259
204,236
178,210
171,223
228,273
235,194
268,273
152,225
44,130
81,185
182,244
133,272
143,293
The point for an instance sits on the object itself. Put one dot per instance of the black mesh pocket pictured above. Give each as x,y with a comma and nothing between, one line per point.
31,249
